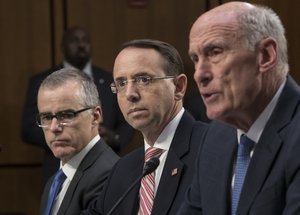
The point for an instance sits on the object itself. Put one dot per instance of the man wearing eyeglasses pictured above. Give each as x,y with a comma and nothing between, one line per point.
76,48
150,85
69,114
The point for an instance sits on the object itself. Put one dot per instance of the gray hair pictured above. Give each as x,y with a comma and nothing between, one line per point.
88,91
260,22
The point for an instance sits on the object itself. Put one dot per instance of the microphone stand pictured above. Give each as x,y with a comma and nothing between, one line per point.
150,166
124,194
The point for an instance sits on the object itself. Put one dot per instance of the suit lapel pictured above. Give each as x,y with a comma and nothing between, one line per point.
70,192
132,200
168,184
88,160
216,167
262,161
130,172
269,145
173,168
45,194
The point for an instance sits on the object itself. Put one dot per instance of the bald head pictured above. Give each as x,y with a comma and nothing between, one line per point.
237,47
251,23
225,12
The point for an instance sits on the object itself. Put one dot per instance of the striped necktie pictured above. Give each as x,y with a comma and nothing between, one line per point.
148,185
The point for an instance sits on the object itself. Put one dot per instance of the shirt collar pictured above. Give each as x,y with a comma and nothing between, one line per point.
165,138
71,166
87,68
258,126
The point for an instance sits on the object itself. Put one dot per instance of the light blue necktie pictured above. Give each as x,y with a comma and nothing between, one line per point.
242,163
54,190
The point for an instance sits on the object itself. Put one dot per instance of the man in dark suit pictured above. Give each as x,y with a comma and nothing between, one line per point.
76,48
150,85
241,69
69,115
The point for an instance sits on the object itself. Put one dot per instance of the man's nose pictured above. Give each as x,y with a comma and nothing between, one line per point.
55,124
202,74
132,91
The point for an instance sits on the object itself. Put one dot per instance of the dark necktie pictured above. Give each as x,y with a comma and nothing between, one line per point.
54,190
242,163
148,185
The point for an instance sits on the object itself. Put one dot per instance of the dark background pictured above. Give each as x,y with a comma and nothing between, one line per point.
31,31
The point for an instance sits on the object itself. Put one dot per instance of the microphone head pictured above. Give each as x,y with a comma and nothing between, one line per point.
150,166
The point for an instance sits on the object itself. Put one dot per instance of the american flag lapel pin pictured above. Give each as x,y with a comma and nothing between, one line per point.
174,171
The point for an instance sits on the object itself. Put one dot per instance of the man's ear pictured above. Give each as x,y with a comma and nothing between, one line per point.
180,86
97,116
267,57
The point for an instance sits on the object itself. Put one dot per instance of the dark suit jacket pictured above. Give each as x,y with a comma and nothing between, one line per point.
112,115
88,180
171,189
272,183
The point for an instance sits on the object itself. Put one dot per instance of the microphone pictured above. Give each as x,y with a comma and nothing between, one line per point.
149,167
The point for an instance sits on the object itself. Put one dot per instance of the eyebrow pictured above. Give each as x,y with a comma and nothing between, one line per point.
141,73
66,110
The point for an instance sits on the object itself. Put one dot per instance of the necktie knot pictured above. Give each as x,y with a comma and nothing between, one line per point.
60,176
245,146
152,152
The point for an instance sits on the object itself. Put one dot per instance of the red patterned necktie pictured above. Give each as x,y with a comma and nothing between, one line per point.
148,185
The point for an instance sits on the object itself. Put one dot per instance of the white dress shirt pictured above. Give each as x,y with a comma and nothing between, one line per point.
87,69
163,142
258,126
69,169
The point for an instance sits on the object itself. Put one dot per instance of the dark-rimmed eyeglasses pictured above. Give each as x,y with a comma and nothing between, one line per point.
140,81
64,117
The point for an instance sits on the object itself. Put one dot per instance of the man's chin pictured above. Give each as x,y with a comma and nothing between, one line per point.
80,62
62,154
83,59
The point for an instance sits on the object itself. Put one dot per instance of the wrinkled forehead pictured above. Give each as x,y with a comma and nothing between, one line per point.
204,33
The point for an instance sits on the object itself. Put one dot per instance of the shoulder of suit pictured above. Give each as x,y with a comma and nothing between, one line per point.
43,74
